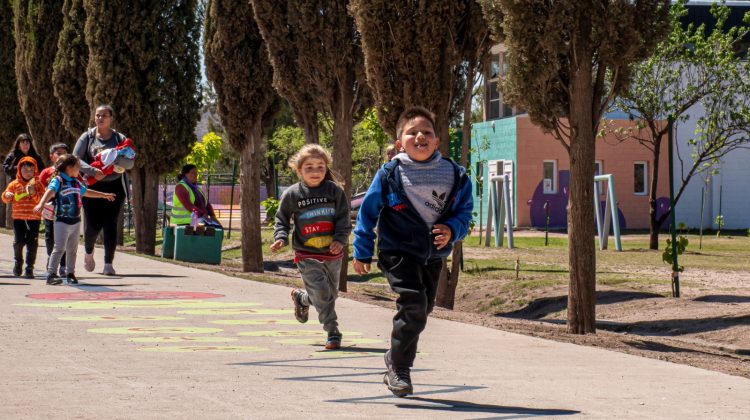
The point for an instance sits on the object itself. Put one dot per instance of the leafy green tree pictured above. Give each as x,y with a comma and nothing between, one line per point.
206,153
12,121
144,61
564,69
689,68
247,105
37,24
69,70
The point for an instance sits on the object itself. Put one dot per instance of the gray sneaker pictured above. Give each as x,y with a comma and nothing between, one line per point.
397,379
301,311
88,262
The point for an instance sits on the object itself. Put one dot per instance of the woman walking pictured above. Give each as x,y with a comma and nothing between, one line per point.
101,215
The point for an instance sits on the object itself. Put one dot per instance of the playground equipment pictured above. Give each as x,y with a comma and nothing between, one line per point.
610,212
499,209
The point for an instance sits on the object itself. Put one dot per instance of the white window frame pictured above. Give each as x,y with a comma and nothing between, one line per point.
645,177
554,177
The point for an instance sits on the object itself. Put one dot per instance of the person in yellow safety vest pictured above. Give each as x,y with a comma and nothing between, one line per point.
189,198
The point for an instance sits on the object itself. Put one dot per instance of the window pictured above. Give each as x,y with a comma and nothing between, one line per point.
599,170
494,66
494,108
549,176
640,173
504,64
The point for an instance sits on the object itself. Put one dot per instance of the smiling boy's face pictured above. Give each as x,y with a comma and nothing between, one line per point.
418,139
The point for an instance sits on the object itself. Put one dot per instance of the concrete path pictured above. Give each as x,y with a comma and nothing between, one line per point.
164,341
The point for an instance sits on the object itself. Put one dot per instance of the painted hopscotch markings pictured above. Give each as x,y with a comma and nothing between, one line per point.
120,318
79,296
290,333
331,354
256,322
155,330
220,311
322,341
182,339
167,304
203,349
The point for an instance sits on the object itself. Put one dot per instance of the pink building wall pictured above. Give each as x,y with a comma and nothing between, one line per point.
617,158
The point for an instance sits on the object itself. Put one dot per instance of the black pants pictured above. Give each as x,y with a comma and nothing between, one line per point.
101,216
25,234
49,240
416,286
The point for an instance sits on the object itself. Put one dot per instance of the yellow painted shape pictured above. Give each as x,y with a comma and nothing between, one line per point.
290,333
321,341
119,318
112,304
319,241
155,330
255,322
196,349
259,311
182,339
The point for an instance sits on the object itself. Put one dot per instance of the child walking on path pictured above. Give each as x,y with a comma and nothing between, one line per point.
320,211
48,214
421,204
24,192
67,191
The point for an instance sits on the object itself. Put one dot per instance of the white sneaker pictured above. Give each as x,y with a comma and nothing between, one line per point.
109,270
88,262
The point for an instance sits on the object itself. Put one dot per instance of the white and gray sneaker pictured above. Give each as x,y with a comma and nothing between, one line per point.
397,379
109,270
88,262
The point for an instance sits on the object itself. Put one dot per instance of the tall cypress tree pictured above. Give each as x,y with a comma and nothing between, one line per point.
69,71
11,118
564,69
37,25
144,61
411,53
247,104
318,43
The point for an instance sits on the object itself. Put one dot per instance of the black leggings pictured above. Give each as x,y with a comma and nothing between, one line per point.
26,234
101,215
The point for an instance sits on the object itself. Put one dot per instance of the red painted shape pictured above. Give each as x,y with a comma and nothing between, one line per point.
124,296
320,227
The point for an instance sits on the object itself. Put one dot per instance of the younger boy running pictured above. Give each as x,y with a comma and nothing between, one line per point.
421,204
24,192
55,151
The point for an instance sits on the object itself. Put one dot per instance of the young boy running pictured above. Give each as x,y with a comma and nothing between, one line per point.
24,192
421,204
55,151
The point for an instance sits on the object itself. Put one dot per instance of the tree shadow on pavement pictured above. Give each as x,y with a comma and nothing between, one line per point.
469,407
674,327
723,299
542,307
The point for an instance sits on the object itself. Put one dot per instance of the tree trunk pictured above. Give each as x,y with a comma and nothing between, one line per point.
4,209
581,248
310,128
250,161
145,204
446,293
343,125
653,242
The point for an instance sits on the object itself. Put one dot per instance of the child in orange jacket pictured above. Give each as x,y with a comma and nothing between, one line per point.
25,192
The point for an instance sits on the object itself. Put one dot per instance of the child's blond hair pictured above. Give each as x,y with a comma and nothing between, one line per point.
314,151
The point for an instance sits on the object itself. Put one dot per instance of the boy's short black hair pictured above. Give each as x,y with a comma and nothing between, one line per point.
411,113
54,147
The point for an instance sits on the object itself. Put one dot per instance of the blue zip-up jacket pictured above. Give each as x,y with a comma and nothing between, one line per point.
400,228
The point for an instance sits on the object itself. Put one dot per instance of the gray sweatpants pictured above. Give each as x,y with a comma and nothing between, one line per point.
66,242
321,280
